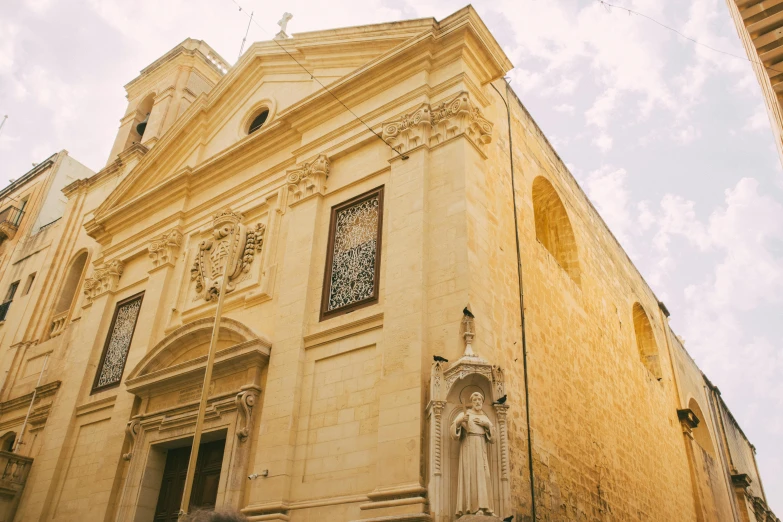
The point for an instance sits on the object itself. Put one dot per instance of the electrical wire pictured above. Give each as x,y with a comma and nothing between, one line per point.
313,77
672,29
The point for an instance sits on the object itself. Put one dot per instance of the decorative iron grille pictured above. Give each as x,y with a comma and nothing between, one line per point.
353,258
115,352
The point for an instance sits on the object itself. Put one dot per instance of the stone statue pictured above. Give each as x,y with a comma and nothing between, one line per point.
474,431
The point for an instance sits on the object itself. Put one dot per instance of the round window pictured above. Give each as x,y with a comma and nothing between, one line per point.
258,121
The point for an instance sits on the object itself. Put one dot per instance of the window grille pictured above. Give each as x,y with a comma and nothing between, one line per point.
354,254
115,351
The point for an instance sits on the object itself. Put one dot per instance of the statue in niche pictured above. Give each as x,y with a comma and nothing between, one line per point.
475,432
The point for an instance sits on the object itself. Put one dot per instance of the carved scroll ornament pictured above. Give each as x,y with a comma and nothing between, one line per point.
246,401
229,236
433,124
164,248
132,430
105,278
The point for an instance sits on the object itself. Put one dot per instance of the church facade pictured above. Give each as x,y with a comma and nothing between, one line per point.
424,317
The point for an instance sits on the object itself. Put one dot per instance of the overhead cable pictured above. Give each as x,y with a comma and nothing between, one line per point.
314,78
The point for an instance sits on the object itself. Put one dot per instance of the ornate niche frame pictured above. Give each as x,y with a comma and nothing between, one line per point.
447,385
167,382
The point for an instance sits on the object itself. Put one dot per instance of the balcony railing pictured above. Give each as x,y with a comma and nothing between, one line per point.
10,217
14,469
4,309
58,323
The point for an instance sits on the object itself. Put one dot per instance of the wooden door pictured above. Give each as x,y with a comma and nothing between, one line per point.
205,483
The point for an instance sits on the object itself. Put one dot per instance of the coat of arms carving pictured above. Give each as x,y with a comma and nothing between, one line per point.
232,243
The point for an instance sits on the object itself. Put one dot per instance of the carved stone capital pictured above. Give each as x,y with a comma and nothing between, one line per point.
433,124
459,116
104,279
308,179
409,131
164,248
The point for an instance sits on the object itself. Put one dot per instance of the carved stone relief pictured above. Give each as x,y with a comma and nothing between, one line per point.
132,430
468,437
229,236
246,401
164,248
433,124
105,278
308,179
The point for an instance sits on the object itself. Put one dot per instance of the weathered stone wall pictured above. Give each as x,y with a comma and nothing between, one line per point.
607,444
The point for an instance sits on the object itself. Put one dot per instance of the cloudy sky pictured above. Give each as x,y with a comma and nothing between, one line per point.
670,141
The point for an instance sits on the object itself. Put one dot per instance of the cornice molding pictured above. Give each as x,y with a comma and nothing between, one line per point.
438,43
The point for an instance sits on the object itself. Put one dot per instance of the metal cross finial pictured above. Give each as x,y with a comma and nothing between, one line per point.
283,23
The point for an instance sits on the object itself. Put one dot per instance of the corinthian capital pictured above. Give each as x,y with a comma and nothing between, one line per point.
104,279
308,178
163,249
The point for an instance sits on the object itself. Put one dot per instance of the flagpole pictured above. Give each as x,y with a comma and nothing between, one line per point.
202,407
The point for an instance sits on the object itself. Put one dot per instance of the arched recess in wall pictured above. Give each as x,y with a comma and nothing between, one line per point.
71,283
645,341
701,433
143,111
553,228
7,441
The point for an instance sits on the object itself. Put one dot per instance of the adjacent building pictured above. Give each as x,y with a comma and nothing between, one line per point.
397,300
759,24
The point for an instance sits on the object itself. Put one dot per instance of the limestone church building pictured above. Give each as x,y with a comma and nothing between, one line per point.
424,317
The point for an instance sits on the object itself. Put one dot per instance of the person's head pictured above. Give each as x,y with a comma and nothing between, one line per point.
215,516
477,400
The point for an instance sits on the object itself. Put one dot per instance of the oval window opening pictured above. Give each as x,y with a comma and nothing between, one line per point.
258,121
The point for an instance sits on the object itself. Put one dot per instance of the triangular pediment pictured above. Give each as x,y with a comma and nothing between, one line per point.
352,62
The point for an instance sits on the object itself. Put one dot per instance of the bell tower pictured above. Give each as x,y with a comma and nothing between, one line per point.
164,90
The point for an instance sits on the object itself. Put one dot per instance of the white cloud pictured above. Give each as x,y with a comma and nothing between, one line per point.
604,142
758,120
602,109
608,190
686,135
564,107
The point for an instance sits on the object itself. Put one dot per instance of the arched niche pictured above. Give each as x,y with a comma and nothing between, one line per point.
450,389
553,228
73,277
645,341
7,441
701,433
68,291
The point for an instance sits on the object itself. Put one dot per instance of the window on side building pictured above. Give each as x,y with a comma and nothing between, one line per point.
353,256
9,297
28,284
118,341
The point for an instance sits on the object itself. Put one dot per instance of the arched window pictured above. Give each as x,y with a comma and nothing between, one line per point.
143,115
701,433
7,441
71,283
645,341
258,121
553,228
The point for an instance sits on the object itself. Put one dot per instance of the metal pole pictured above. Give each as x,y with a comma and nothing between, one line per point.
242,47
3,123
30,408
207,378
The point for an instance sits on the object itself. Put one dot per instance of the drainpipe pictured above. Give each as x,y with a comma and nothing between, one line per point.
30,408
